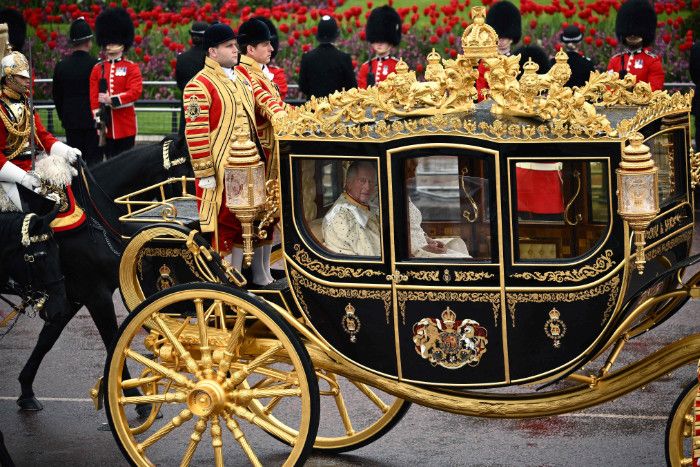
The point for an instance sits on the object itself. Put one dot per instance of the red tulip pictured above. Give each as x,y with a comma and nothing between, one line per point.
666,38
533,24
51,44
291,41
419,68
284,27
599,42
137,39
306,47
434,39
588,39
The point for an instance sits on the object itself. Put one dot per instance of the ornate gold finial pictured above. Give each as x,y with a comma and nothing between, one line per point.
449,317
637,192
243,150
401,67
479,40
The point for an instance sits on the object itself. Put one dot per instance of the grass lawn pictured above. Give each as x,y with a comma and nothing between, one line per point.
149,123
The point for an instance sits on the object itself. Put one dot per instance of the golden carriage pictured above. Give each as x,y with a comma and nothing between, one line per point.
576,211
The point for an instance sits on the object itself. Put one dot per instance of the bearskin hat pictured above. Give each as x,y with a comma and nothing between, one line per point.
252,32
327,29
636,18
383,25
537,54
504,18
274,39
114,26
16,27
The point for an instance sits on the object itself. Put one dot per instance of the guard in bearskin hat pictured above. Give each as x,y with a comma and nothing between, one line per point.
16,27
255,45
635,28
71,92
278,76
581,66
326,69
505,19
383,32
115,82
190,62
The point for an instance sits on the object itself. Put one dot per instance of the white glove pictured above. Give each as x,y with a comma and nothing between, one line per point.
68,153
11,173
207,183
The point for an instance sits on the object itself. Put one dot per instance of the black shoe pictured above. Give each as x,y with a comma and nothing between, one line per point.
278,274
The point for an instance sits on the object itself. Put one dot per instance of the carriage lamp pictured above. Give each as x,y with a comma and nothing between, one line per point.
637,195
244,179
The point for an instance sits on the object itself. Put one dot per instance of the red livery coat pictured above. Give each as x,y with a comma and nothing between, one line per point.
124,84
43,140
380,67
645,65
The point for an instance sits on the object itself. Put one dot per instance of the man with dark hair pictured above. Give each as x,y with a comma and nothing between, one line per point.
71,92
278,76
190,62
115,82
218,102
326,69
383,32
351,226
581,66
635,27
255,45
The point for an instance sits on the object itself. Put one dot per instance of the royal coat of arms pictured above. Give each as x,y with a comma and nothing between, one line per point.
449,342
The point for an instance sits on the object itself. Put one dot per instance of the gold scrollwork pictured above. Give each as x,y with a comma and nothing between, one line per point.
424,275
664,247
611,287
694,169
467,276
186,256
602,264
340,272
360,294
667,224
404,296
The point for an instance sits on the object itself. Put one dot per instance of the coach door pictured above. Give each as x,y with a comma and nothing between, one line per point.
445,264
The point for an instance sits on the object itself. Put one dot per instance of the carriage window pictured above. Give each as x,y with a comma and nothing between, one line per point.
340,205
667,150
447,204
562,208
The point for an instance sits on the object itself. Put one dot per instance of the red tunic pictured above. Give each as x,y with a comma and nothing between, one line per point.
124,84
43,140
643,64
380,67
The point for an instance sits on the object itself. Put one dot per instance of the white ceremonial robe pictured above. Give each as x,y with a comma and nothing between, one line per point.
351,228
456,248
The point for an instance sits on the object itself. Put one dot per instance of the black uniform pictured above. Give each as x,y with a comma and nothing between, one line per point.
325,70
189,63
71,95
694,65
581,68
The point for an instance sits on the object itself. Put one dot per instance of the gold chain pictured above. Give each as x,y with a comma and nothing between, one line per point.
18,133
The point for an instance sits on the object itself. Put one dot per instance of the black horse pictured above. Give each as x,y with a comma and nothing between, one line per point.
31,270
90,254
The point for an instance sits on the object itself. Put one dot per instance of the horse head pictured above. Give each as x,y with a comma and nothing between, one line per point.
30,257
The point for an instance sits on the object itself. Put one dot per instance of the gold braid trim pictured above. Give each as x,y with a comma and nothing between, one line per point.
18,133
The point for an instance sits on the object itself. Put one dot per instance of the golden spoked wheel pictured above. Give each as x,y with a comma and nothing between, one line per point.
679,428
354,414
203,350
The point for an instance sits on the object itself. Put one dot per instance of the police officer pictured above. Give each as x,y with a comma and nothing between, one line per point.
505,19
536,54
326,69
278,76
71,92
694,65
581,66
383,32
115,82
635,27
16,27
190,62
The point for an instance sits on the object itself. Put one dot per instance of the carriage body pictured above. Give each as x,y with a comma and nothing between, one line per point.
551,265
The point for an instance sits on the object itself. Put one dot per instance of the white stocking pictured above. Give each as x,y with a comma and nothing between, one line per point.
266,260
259,274
237,259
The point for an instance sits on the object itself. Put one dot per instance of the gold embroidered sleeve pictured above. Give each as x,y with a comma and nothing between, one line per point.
196,105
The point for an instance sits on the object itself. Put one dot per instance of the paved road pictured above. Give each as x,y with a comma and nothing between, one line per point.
628,431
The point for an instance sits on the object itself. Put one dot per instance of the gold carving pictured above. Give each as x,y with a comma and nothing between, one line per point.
694,169
602,264
186,256
351,322
361,294
466,276
340,272
555,328
404,296
165,280
424,275
611,287
672,243
449,342
661,228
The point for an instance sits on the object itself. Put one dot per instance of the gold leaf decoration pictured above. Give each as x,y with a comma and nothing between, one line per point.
602,264
340,272
404,296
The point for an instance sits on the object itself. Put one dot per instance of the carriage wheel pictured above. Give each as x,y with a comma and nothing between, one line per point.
205,378
374,413
679,428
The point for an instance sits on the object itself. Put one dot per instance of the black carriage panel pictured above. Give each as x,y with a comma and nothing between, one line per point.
550,329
